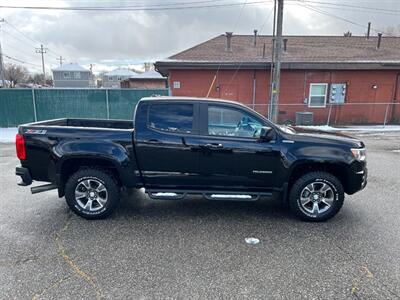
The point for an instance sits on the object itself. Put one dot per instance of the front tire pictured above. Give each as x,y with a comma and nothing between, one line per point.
316,196
92,193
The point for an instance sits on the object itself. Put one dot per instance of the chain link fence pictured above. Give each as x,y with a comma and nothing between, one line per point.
359,113
19,106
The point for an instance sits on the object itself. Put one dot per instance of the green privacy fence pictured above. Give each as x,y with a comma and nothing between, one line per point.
18,106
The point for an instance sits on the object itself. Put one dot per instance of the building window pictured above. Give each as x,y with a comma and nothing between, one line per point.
77,75
317,96
66,75
177,84
110,78
177,118
119,78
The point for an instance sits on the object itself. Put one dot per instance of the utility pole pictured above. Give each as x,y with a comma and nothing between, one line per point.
272,62
60,59
2,64
276,71
42,51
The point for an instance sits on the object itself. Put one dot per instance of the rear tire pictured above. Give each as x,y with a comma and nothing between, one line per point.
92,193
316,196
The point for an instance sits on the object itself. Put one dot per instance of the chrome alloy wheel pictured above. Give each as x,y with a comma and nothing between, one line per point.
317,198
91,195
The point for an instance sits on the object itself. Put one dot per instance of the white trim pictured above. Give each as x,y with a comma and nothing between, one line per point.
325,96
34,104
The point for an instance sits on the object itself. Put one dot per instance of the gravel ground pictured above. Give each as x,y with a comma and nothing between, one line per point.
195,248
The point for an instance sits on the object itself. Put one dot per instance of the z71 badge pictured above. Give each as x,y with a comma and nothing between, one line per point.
36,131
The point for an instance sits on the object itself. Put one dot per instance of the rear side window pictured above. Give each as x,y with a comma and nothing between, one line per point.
171,117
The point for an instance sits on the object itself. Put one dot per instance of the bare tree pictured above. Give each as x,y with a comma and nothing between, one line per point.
15,74
392,30
347,33
37,78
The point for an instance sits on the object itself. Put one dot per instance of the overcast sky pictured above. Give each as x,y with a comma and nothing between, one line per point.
129,38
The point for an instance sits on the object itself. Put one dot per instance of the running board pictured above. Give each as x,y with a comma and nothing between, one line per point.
165,195
231,197
43,188
209,195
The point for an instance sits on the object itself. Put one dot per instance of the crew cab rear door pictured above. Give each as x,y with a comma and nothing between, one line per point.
232,155
165,136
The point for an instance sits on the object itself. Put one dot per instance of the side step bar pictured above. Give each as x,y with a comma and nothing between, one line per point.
231,197
165,195
43,188
209,195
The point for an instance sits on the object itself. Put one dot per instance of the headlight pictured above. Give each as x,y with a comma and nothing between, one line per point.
359,153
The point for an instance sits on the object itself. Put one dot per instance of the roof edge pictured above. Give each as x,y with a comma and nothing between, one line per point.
165,66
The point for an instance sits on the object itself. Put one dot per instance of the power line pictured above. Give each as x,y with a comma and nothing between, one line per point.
151,5
18,39
241,63
134,8
266,20
219,66
240,15
1,61
19,50
35,42
25,35
347,9
20,60
352,6
339,17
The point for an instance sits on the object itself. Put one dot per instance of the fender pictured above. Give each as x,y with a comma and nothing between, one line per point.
108,151
314,155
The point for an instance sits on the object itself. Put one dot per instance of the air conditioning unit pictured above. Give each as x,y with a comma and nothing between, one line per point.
304,118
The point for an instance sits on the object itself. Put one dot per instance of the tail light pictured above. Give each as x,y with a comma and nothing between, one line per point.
20,146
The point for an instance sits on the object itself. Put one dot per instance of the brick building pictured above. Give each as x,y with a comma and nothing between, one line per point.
147,80
343,79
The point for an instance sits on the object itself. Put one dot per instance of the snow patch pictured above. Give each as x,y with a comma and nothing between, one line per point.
7,135
371,128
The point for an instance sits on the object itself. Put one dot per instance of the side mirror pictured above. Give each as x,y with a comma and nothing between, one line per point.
266,133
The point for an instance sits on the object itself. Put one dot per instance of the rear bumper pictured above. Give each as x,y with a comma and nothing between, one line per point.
26,178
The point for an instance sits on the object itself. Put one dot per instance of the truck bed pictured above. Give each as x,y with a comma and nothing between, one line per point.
88,123
49,144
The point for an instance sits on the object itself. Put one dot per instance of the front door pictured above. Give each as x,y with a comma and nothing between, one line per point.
233,156
165,143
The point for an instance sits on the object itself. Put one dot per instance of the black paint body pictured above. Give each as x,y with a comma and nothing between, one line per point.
141,156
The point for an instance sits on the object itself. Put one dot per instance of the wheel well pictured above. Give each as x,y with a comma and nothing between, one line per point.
72,165
336,170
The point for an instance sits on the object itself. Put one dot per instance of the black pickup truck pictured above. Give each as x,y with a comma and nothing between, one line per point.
178,146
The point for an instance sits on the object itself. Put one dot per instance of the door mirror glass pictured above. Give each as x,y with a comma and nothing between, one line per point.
266,133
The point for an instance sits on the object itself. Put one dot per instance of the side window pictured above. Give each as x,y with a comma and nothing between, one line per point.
318,93
232,122
171,117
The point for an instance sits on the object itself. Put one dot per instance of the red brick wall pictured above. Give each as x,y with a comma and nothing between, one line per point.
295,85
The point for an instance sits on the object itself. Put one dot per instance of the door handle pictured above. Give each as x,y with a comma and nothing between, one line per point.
214,146
153,141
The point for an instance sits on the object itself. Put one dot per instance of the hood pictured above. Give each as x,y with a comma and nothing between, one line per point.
304,134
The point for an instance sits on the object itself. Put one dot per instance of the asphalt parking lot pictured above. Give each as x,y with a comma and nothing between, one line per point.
195,249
